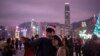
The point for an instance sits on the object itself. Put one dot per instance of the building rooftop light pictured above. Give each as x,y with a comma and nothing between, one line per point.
67,3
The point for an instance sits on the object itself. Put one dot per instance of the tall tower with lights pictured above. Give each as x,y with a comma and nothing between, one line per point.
17,32
67,19
33,27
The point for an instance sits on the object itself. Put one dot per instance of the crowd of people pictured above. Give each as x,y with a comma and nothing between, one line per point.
9,46
51,45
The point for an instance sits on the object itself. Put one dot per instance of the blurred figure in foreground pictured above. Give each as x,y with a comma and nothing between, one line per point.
78,46
16,43
20,44
27,47
56,41
36,36
2,44
70,45
44,44
63,51
8,49
91,47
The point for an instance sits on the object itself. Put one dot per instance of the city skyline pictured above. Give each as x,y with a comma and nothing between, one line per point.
14,12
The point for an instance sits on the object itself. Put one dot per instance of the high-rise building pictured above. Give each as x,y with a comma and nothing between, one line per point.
33,27
67,19
17,32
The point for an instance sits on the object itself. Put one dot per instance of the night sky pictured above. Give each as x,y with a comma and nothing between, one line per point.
14,12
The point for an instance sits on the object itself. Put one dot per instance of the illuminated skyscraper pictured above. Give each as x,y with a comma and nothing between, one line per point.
67,19
24,32
33,27
17,32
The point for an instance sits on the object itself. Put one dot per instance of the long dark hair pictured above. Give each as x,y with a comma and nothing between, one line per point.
66,42
59,40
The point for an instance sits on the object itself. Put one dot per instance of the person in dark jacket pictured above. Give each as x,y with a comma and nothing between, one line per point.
98,53
27,47
16,43
44,45
91,48
78,46
20,44
9,49
70,45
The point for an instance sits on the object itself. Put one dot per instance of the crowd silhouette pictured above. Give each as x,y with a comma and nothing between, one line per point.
51,45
